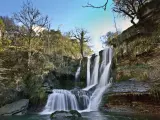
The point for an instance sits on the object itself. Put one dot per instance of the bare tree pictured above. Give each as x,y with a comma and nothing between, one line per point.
82,36
127,8
30,17
102,6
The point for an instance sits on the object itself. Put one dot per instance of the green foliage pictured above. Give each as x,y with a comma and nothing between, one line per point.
132,71
123,78
34,89
133,67
2,25
75,113
155,92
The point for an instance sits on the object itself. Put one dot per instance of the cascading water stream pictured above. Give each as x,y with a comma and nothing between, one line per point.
104,82
60,100
77,74
94,77
79,100
92,80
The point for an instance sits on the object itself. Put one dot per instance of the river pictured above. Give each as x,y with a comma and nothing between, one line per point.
88,116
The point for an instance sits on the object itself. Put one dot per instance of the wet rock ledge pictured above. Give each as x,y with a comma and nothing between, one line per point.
130,96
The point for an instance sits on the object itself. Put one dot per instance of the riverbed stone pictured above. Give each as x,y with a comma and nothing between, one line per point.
15,108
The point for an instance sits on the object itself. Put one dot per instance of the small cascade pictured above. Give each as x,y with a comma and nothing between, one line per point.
77,75
82,98
104,60
61,100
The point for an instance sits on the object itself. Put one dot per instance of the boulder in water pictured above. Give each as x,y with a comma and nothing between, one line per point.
64,115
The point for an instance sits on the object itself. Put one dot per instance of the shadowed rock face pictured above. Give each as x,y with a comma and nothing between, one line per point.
15,108
82,97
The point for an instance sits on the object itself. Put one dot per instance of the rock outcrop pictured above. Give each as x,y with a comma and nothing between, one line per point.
82,97
129,86
130,96
15,108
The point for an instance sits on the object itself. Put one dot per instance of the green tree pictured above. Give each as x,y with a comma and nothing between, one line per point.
10,26
109,36
2,30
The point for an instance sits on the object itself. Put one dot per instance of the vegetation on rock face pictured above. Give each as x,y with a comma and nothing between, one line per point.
155,92
136,50
136,55
30,52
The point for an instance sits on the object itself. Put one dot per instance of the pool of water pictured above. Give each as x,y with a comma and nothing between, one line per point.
87,116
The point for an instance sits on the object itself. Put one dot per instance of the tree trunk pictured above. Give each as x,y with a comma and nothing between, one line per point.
81,47
132,21
29,51
2,37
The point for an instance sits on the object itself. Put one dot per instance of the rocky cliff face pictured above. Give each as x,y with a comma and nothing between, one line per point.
137,56
46,72
15,108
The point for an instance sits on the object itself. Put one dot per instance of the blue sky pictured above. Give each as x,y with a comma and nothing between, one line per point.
68,14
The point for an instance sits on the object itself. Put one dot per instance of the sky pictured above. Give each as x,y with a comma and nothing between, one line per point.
68,14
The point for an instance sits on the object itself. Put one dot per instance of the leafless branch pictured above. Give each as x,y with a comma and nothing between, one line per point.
102,6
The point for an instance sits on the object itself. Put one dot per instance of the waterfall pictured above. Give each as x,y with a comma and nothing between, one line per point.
94,77
104,82
77,74
60,100
77,99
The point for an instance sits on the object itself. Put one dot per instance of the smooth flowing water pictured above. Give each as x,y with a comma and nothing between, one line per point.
86,116
100,76
94,77
104,82
77,75
60,100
